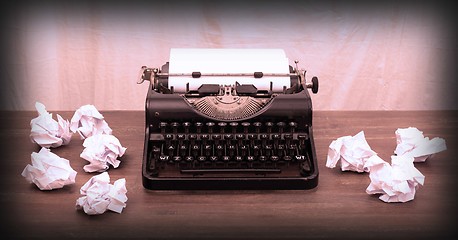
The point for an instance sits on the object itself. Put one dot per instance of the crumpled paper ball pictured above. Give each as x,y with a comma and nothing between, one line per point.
100,195
411,141
101,151
49,171
48,132
87,121
397,182
353,153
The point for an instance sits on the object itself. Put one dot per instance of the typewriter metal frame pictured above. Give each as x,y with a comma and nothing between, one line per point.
293,103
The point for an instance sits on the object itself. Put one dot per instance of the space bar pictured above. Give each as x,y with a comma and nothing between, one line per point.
232,170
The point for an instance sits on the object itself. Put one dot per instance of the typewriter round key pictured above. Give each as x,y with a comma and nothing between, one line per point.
231,149
252,138
257,126
292,149
292,126
171,149
176,158
183,149
240,136
181,138
208,149
280,149
219,150
163,126
234,126
186,126
302,137
288,138
168,137
280,126
245,125
222,125
156,150
163,158
243,150
175,126
210,126
256,149
189,158
268,150
193,138
195,150
202,158
199,127
269,126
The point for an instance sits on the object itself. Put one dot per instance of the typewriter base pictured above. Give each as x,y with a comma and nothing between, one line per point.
155,183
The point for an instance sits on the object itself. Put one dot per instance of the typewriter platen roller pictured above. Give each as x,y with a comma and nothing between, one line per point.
228,119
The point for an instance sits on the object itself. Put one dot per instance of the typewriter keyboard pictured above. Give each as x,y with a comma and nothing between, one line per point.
232,149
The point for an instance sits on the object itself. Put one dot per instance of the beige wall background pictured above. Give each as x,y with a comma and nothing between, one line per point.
390,56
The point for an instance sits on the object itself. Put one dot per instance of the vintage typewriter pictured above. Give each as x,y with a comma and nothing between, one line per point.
228,119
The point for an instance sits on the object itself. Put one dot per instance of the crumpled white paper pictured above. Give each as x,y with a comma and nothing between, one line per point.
397,182
100,195
353,153
87,121
49,171
48,132
102,150
412,142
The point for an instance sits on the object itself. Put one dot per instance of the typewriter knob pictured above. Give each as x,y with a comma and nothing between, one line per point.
314,84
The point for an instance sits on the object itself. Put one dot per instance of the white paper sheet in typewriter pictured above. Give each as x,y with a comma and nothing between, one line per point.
185,60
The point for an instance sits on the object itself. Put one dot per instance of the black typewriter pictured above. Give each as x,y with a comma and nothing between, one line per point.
228,136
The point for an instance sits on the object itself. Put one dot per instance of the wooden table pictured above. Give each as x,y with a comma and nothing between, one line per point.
339,207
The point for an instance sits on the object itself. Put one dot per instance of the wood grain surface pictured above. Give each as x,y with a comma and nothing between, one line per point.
338,208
